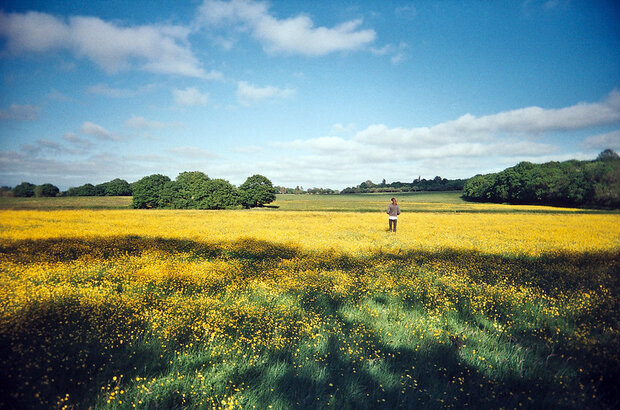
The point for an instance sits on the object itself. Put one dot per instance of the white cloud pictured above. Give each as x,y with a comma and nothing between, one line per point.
18,166
604,141
49,144
296,35
42,145
248,93
98,131
354,151
77,141
141,123
66,66
223,42
56,95
455,149
529,121
398,53
106,90
214,75
189,97
157,48
339,128
33,32
73,138
17,112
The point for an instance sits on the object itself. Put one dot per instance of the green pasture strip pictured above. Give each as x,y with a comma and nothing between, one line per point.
444,202
352,202
71,202
408,201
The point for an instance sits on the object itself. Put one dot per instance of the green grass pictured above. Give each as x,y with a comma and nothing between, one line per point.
69,202
405,333
352,202
409,202
366,202
402,331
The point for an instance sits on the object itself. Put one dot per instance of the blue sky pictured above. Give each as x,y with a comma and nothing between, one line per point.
316,94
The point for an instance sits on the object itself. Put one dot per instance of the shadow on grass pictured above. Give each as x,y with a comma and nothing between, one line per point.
70,345
435,377
68,249
549,272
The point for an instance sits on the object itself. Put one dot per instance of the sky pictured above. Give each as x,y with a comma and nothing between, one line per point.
312,94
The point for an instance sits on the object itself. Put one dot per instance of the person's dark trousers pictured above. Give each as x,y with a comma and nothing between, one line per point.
392,225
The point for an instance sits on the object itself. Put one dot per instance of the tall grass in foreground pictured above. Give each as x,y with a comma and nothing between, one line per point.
120,320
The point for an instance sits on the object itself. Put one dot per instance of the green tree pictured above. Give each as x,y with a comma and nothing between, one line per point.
117,187
220,195
100,189
478,188
83,190
192,189
170,197
195,190
87,190
25,189
46,190
604,180
568,183
147,192
73,191
607,155
257,190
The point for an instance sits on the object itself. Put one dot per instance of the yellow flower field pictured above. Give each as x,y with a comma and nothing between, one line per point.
242,309
530,234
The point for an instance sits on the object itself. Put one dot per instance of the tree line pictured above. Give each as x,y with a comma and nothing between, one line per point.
570,183
190,190
593,183
436,184
116,187
195,190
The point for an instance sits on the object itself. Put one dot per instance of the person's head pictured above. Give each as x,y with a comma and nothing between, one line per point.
394,201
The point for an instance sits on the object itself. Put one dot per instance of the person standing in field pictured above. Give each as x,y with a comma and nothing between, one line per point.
393,210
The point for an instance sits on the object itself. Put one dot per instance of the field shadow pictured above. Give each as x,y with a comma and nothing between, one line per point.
64,336
538,271
69,249
70,345
436,377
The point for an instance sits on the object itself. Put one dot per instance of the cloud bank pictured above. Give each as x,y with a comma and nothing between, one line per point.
457,148
162,49
248,93
461,147
295,35
98,131
17,112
